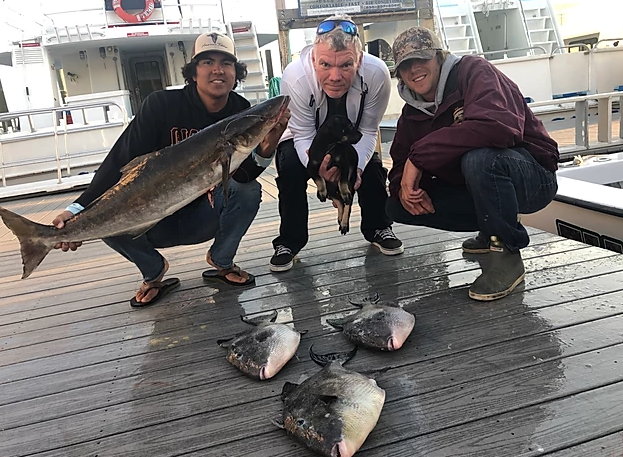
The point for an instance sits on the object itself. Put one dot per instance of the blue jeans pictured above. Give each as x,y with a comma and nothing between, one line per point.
196,223
500,184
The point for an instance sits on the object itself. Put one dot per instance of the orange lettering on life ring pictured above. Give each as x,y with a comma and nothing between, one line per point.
134,18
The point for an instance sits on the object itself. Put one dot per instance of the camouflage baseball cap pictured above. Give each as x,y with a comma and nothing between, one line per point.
416,43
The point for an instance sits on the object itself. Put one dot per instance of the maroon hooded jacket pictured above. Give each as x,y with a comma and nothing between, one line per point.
481,107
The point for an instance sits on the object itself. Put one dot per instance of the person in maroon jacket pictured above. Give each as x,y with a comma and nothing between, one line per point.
468,155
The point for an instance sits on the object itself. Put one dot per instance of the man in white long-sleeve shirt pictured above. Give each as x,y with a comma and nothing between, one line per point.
333,76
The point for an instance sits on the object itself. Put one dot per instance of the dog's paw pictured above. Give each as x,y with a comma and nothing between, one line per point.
344,229
347,197
322,196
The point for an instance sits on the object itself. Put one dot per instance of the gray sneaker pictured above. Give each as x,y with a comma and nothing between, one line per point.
477,245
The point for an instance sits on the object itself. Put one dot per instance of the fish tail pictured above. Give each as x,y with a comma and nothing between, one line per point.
325,359
29,234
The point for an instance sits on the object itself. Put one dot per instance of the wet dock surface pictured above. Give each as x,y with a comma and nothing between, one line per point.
83,374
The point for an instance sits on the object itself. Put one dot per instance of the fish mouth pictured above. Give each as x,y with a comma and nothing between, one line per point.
393,344
264,374
340,450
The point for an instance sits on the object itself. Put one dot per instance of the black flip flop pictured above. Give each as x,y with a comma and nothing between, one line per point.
166,286
209,275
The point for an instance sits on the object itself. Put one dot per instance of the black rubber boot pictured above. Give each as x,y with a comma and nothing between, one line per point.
504,272
477,245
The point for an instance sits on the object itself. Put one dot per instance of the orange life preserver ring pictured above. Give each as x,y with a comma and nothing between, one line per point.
134,18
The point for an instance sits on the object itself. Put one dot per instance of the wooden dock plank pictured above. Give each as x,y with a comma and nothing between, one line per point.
83,374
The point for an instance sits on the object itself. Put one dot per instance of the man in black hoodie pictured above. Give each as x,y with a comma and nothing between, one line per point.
168,117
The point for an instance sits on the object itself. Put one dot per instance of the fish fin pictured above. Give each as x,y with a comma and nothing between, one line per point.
144,231
31,237
325,359
303,332
132,164
260,319
225,165
278,423
328,399
338,323
288,388
374,373
365,300
224,342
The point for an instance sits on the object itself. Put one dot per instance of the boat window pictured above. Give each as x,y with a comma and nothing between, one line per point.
149,78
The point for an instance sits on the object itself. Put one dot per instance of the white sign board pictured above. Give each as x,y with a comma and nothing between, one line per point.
330,7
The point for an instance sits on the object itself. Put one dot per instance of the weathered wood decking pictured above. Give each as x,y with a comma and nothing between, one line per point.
83,374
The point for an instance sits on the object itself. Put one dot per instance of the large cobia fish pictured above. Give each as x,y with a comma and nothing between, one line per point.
155,185
262,351
334,411
384,327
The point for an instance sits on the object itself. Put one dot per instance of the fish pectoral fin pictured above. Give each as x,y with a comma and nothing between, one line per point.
278,423
224,343
225,159
339,322
328,399
371,299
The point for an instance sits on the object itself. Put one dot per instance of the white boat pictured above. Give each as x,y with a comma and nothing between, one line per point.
76,77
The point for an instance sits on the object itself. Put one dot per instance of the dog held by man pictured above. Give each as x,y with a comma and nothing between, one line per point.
336,137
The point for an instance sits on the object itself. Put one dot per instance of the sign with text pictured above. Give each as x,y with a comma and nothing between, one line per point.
330,7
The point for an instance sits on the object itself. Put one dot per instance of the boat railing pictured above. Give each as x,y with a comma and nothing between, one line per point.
60,129
605,141
506,51
570,46
255,96
81,24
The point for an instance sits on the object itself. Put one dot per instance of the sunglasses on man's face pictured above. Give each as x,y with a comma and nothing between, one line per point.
347,26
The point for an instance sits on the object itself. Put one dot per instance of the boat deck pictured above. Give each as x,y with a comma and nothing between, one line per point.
83,374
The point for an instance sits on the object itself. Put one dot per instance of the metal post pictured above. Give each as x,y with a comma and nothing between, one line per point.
58,157
604,129
581,124
284,34
2,164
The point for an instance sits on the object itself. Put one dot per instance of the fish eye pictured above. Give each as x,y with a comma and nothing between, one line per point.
300,422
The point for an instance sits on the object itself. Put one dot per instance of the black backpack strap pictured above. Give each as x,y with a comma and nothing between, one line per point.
364,92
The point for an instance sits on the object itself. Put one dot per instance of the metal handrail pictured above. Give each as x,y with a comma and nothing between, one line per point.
77,106
604,126
512,50
165,20
54,112
569,46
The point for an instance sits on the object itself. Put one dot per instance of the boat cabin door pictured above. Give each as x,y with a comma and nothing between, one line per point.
147,74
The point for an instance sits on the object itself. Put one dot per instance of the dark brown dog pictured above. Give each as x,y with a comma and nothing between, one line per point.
336,137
